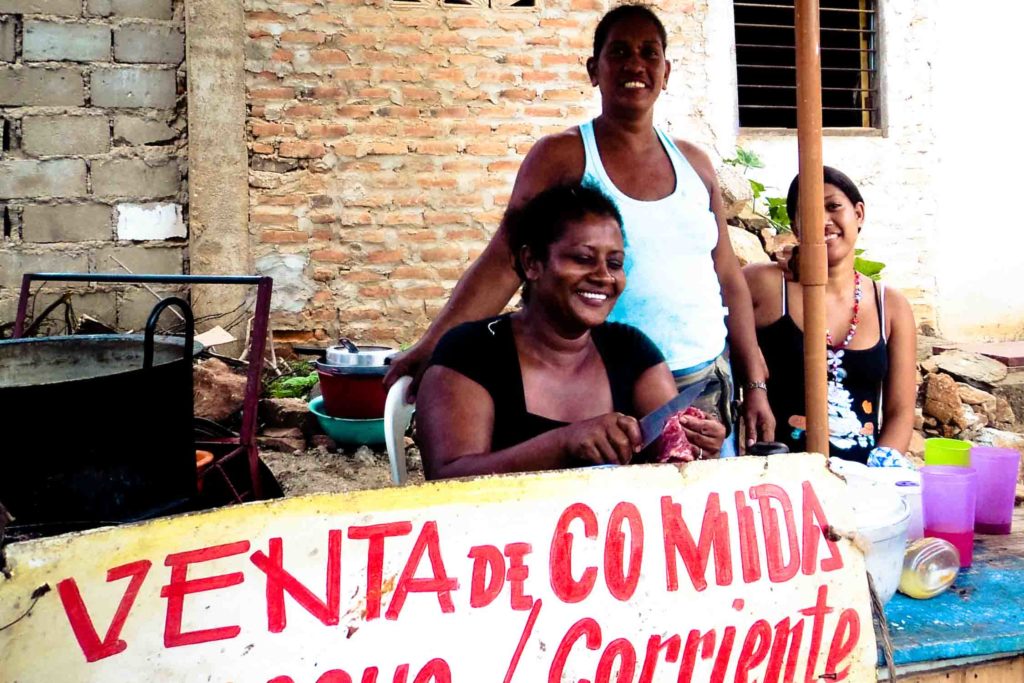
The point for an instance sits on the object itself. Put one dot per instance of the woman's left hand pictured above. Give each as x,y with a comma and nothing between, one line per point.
758,420
705,434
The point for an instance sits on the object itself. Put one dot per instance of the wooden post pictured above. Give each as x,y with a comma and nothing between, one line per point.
813,258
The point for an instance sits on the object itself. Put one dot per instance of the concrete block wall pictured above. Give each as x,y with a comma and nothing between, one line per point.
384,139
93,147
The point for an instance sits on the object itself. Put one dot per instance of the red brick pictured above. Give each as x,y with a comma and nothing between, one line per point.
272,218
521,59
272,94
421,236
452,253
445,182
547,40
262,129
283,236
496,41
303,37
301,150
423,129
465,164
352,75
419,94
492,149
356,111
448,75
282,200
262,148
331,256
466,21
322,217
373,93
380,57
503,166
466,234
556,59
586,5
447,218
322,274
400,218
452,112
321,234
361,276
520,94
327,130
312,111
346,149
357,39
472,60
523,148
386,256
400,112
437,147
539,76
568,95
330,57
388,147
410,39
408,75
347,315
515,24
449,39
423,292
355,217
412,273
376,291
281,55
420,20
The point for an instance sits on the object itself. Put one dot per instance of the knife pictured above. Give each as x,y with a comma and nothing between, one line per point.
654,423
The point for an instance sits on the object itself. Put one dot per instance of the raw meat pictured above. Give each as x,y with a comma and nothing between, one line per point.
675,447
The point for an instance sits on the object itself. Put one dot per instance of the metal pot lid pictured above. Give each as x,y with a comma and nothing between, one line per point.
348,355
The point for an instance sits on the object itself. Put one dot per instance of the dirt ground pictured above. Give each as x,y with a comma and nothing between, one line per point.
319,470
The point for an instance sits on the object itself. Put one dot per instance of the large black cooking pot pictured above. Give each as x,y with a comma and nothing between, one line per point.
97,428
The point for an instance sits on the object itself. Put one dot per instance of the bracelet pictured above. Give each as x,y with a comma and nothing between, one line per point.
750,386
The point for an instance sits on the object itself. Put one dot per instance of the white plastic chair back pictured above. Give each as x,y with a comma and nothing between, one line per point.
397,415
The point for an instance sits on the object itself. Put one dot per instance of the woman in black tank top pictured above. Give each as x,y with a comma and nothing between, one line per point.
871,341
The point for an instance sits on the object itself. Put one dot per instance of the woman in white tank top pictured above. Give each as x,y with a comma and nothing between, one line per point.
684,276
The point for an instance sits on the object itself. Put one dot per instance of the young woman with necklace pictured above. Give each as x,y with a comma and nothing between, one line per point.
871,341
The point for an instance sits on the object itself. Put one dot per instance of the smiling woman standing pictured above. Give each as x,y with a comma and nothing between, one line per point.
678,256
552,385
871,341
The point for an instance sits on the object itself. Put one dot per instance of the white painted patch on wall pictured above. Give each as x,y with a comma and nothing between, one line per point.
149,222
292,289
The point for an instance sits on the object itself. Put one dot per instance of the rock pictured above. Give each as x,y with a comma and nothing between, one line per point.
1012,390
916,446
971,367
1018,497
323,441
747,247
990,436
918,419
982,402
972,419
768,238
217,391
929,366
736,192
926,345
286,412
1004,413
942,401
929,421
287,439
753,221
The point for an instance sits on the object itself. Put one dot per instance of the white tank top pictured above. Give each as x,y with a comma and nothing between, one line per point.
672,291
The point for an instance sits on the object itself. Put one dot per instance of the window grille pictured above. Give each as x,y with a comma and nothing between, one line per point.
766,63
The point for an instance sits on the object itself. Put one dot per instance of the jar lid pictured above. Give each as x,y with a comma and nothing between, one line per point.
348,355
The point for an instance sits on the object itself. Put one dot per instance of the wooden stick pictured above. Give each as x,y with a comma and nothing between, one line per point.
813,258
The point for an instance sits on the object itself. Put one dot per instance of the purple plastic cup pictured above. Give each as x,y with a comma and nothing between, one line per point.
997,482
949,497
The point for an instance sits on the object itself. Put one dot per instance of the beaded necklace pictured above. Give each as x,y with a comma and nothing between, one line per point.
835,351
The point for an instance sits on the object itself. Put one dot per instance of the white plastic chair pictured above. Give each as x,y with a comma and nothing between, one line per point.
397,416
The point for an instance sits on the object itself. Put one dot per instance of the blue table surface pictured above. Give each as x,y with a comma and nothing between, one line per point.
981,614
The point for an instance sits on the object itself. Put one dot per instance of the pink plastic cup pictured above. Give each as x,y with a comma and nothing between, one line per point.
949,497
997,482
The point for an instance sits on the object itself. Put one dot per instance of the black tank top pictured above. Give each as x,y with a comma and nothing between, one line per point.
854,388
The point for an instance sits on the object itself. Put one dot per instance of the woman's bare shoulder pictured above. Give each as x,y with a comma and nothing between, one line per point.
552,160
699,160
762,274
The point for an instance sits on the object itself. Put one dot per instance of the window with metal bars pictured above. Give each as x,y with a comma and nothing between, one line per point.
766,63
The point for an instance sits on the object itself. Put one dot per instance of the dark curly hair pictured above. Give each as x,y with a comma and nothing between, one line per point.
542,220
621,13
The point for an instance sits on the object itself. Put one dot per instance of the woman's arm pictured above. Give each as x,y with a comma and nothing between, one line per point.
900,394
455,422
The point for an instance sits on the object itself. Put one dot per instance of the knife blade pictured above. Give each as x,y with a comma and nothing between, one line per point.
654,423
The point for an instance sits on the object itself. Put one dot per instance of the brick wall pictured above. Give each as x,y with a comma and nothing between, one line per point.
384,141
92,162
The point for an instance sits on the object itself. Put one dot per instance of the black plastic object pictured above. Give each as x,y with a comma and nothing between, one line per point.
767,448
97,428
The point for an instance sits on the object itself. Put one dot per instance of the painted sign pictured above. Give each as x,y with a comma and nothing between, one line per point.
718,571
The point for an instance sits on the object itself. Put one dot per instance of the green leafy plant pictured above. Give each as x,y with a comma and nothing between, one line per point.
776,206
297,382
872,269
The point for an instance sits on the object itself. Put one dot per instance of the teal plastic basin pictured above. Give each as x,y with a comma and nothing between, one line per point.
352,432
